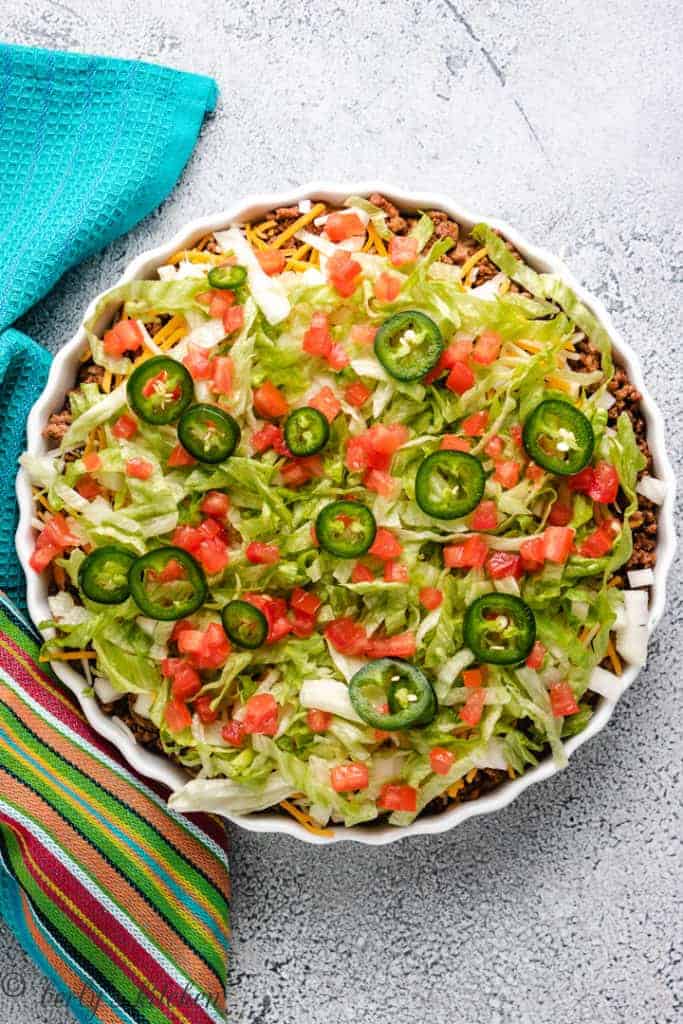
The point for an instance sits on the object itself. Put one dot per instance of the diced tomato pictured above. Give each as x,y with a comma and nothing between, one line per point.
363,334
516,434
485,516
460,379
338,357
394,572
180,457
469,555
43,555
387,287
125,336
599,482
402,645
343,273
207,649
318,721
396,797
270,403
347,636
431,598
305,601
262,554
457,352
500,564
216,504
356,454
222,374
340,226
206,713
361,574
233,733
213,554
197,362
475,425
272,261
385,545
177,716
487,347
403,249
562,700
600,541
557,543
141,469
326,402
275,611
605,484
560,514
302,625
171,572
125,427
471,710
357,394
441,760
186,682
534,472
532,553
506,473
269,436
92,462
453,443
387,437
535,658
300,471
57,532
494,446
381,482
220,302
233,320
317,339
261,715
345,778
473,678
89,488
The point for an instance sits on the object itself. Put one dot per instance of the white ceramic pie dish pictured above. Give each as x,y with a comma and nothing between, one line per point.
61,378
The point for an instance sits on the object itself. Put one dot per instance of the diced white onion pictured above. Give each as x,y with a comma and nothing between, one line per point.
606,684
635,603
328,695
606,400
652,489
143,704
641,577
632,644
105,691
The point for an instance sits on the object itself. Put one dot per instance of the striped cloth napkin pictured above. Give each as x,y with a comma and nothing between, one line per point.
122,903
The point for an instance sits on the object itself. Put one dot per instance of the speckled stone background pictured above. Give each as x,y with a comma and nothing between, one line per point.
565,118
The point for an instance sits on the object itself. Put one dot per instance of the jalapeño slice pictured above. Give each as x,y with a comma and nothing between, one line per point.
345,528
103,575
167,584
449,484
159,390
306,431
245,624
227,277
398,684
558,437
499,629
208,433
408,345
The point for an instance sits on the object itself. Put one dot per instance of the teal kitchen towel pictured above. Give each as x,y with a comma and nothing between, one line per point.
88,147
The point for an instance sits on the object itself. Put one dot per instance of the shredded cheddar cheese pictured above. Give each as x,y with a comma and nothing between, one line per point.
106,381
69,656
613,657
173,331
469,265
297,225
376,241
305,820
455,788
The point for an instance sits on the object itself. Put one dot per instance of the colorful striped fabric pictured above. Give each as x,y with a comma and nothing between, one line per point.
123,903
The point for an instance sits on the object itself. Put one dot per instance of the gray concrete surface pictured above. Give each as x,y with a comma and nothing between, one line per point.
565,119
